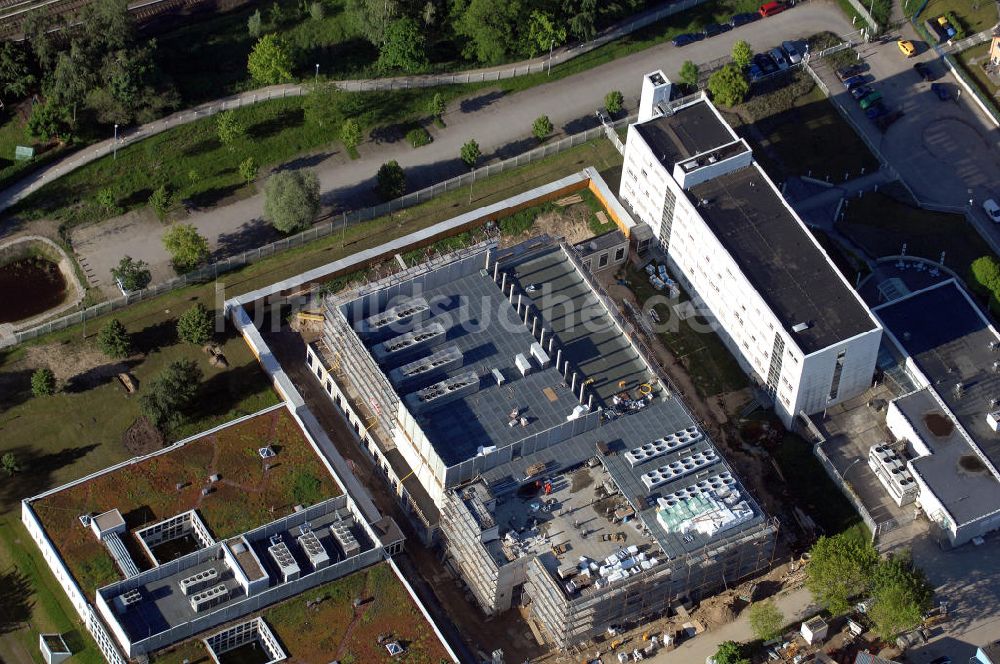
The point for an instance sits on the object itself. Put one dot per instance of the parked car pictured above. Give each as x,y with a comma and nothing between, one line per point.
687,38
867,102
906,47
855,82
943,659
713,29
923,71
883,123
772,8
876,110
992,209
754,73
779,58
941,91
742,19
766,63
792,51
850,71
861,93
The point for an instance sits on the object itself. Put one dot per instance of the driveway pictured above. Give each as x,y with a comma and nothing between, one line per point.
501,124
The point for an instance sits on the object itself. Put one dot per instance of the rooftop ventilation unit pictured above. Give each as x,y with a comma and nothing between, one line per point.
892,472
283,558
498,376
341,531
438,394
677,469
206,599
722,485
420,337
200,581
539,354
800,327
380,323
440,361
315,551
661,446
130,598
522,363
993,420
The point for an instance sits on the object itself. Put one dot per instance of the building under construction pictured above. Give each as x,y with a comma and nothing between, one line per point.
567,474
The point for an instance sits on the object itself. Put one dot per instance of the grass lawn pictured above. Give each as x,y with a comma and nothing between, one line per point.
712,367
848,262
880,224
974,15
971,60
335,630
795,130
33,600
813,489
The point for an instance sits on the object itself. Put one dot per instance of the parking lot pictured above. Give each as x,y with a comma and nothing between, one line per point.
942,149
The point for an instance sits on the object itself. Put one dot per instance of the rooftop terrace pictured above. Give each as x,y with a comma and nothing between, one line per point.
160,486
780,258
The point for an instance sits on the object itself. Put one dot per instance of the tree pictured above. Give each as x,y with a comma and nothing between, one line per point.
248,169
614,102
986,273
730,652
187,247
437,106
196,325
742,54
316,11
471,153
541,127
543,33
900,594
322,106
133,274
291,200
766,620
114,340
160,201
390,181
689,74
582,18
270,61
17,77
490,27
48,121
229,128
728,86
171,393
255,25
371,18
838,570
43,382
9,464
350,133
402,47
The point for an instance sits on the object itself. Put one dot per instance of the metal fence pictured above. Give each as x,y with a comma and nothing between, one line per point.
338,223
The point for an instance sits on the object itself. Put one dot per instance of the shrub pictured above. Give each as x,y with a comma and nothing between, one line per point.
43,383
114,340
766,620
350,133
291,200
471,153
187,247
418,137
133,274
390,181
541,127
196,325
614,102
985,272
728,86
249,169
160,201
689,74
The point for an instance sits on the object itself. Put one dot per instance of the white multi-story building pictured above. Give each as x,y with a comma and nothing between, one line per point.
779,303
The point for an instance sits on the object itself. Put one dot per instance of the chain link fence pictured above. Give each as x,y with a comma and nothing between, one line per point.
339,223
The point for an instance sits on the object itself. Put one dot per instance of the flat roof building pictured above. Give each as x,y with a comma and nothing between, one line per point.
951,424
779,303
563,466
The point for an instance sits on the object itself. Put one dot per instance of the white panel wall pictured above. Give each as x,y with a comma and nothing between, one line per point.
644,180
818,369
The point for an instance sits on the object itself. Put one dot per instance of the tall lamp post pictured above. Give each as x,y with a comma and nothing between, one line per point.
317,72
116,143
551,46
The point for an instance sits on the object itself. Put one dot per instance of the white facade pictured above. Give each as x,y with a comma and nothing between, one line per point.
765,346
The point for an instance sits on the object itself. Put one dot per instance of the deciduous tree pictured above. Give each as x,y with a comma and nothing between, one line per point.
196,325
742,54
160,201
838,570
730,652
541,127
270,61
728,86
170,394
766,620
490,26
390,181
9,464
689,74
187,247
614,102
402,47
350,133
900,596
291,200
43,382
230,129
471,153
543,33
248,169
114,340
133,274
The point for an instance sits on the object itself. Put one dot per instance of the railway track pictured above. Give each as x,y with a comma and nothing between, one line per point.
14,12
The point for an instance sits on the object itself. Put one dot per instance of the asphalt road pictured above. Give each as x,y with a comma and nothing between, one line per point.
501,124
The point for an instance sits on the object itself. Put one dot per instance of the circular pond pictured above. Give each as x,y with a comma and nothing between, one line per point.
36,278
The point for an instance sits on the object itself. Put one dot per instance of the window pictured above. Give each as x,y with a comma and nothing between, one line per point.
619,254
603,261
838,369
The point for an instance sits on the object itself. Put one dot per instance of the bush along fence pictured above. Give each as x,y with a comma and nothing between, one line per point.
338,223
